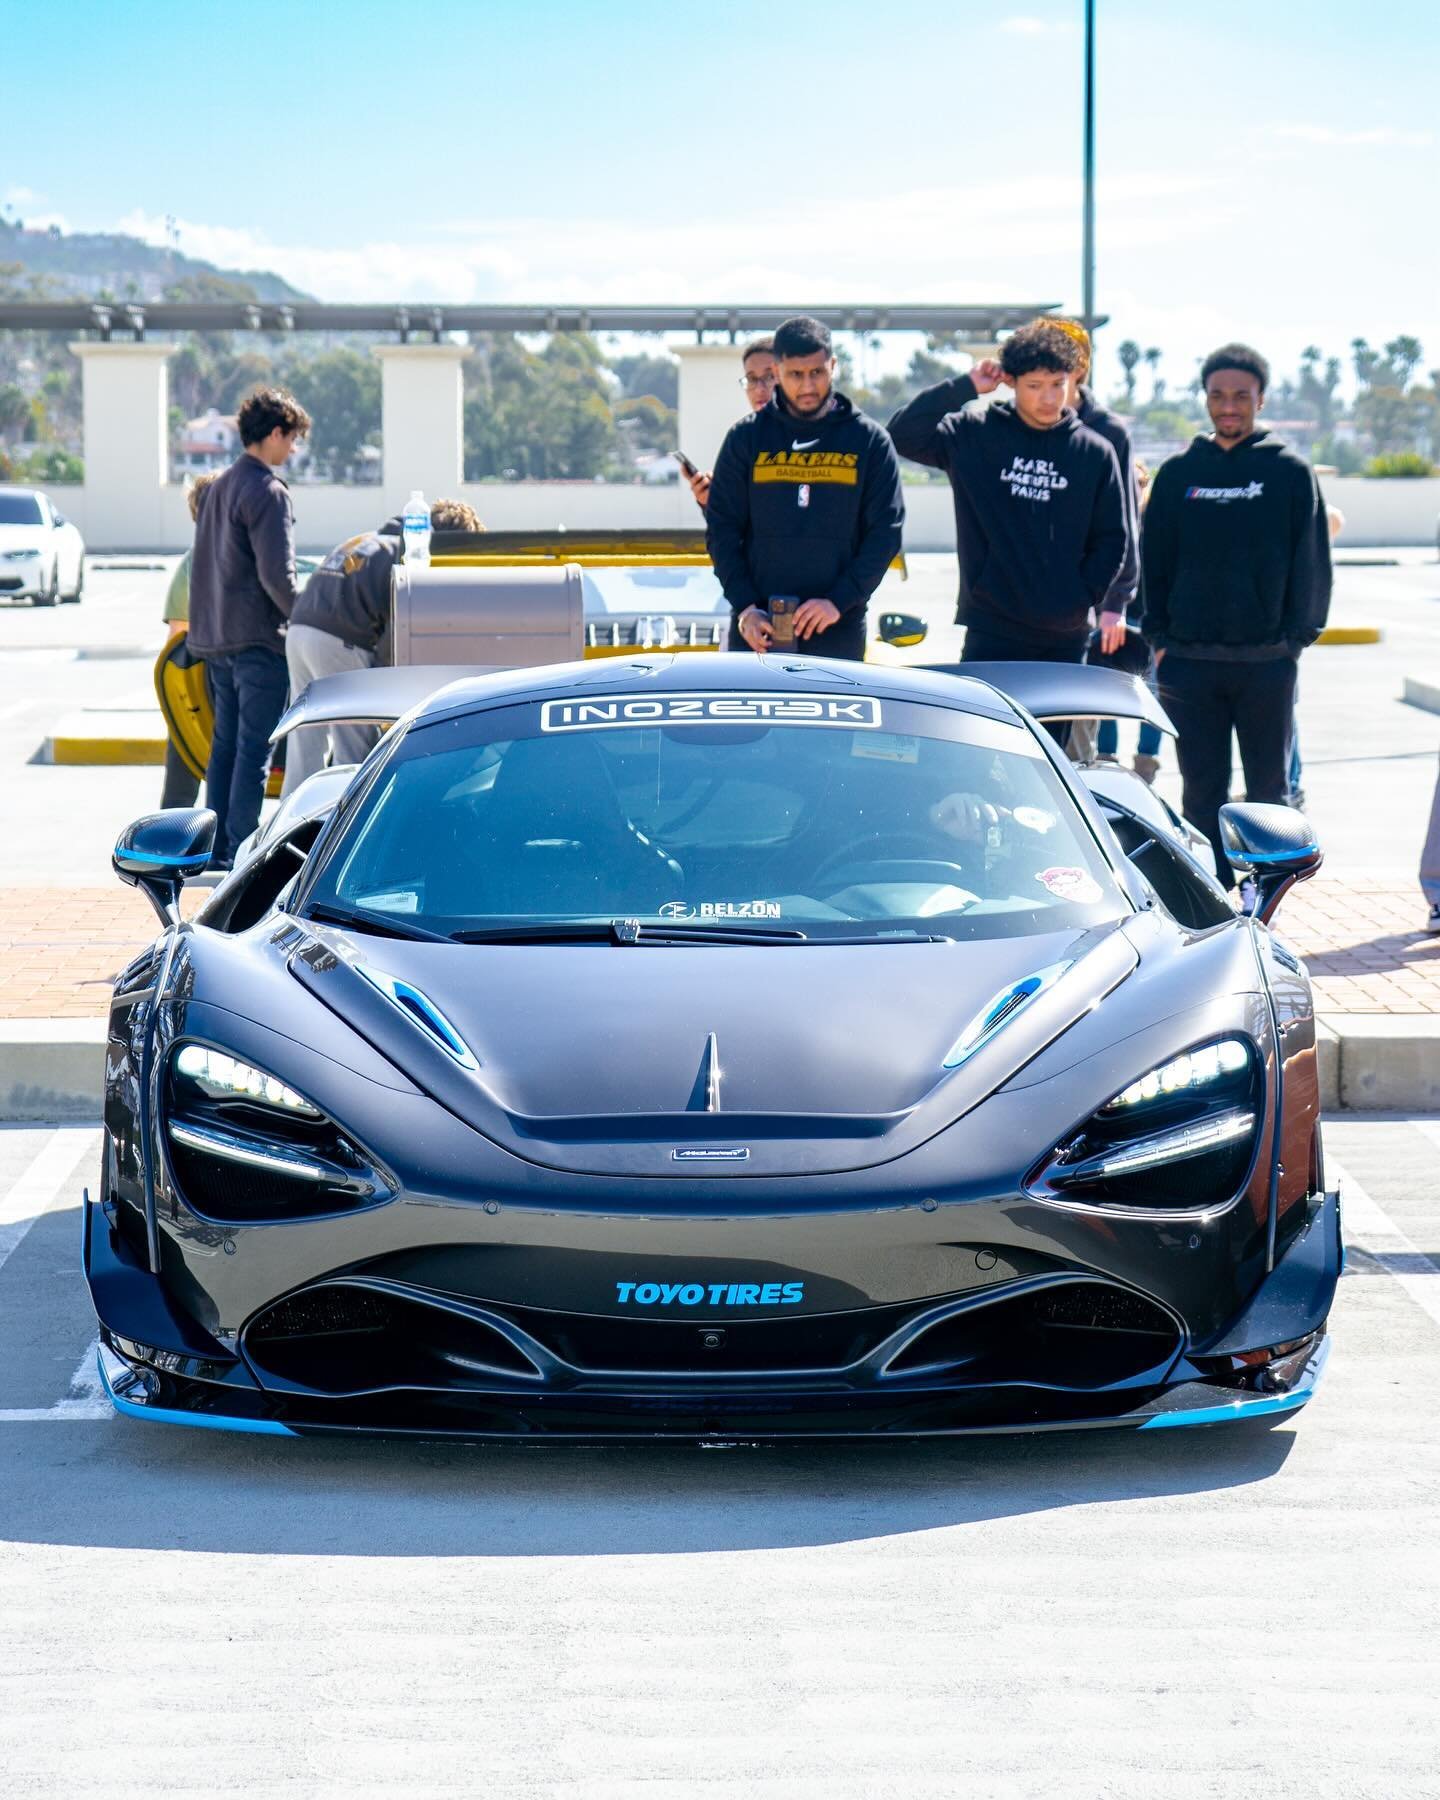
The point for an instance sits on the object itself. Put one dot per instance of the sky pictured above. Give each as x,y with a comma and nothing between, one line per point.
1266,169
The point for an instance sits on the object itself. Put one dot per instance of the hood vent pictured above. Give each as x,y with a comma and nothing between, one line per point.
422,1011
998,1012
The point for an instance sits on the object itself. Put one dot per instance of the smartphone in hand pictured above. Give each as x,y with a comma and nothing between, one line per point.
687,468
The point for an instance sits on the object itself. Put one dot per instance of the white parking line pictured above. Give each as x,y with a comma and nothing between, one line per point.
86,1399
1370,1228
41,1185
1429,1128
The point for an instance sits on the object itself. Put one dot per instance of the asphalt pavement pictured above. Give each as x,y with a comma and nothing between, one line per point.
1224,1611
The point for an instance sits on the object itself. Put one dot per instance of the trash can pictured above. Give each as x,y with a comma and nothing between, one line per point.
506,618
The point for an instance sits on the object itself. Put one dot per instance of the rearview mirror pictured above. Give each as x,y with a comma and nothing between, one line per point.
902,630
1275,845
160,852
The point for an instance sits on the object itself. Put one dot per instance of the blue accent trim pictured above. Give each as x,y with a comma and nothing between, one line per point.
1254,858
1234,1409
159,865
168,1415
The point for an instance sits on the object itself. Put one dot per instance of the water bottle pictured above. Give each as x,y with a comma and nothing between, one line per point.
415,521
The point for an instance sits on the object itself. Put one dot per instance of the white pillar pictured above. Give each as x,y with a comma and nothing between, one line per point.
711,398
127,443
422,414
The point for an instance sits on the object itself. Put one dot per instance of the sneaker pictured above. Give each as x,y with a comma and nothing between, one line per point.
1432,924
1106,761
1147,768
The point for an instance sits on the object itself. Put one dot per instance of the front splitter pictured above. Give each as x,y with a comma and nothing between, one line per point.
1186,1404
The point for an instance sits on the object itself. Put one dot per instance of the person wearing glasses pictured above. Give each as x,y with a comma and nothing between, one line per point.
758,378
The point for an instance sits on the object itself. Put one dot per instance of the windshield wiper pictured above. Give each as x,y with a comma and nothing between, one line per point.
627,931
381,924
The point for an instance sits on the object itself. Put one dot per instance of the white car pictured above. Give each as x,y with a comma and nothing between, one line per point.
42,555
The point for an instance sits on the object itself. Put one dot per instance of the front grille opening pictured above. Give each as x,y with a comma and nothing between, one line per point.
1082,1335
341,1339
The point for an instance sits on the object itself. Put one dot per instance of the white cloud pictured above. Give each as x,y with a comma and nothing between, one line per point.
1000,240
1027,27
1375,136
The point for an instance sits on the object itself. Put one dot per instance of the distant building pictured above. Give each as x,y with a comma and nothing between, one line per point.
209,442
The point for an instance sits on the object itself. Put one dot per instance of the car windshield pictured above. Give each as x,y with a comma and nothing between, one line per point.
808,817
20,509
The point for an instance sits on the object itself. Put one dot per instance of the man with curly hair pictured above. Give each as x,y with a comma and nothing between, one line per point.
242,590
1040,516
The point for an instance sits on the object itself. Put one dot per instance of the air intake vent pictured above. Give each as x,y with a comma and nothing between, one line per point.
423,1012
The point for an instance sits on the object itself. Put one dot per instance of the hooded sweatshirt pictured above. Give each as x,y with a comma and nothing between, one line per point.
806,506
1039,514
1236,553
349,594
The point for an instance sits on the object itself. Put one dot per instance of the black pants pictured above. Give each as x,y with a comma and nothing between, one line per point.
1210,701
983,643
180,788
990,643
250,688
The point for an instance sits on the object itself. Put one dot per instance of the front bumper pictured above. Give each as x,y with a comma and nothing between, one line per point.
1266,1361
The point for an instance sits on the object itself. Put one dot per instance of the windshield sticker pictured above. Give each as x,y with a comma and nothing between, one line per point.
888,746
1071,884
612,712
721,909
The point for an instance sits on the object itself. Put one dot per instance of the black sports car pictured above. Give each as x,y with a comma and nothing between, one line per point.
717,1048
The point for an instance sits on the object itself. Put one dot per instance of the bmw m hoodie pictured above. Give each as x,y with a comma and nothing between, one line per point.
805,506
1040,520
1235,553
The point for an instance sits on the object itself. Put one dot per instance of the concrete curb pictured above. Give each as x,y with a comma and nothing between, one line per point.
1424,694
1350,634
53,1069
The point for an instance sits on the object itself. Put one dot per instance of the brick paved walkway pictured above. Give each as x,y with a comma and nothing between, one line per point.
60,947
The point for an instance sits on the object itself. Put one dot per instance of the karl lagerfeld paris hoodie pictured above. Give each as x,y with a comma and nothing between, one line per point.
1235,553
1040,517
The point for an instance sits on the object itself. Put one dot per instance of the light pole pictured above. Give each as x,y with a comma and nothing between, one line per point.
1088,272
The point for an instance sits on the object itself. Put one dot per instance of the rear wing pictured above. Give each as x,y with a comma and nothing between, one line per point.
1051,692
370,696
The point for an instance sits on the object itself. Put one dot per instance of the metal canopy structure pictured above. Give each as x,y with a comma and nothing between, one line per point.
423,320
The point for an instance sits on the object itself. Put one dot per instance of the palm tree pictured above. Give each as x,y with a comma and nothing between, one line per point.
1152,359
1129,354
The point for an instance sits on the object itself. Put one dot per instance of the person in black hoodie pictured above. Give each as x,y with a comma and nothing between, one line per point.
341,621
1040,518
1236,564
805,501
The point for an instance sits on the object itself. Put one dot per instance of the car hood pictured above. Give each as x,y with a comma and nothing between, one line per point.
610,1059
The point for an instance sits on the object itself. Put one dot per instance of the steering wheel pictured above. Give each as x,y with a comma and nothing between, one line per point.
898,846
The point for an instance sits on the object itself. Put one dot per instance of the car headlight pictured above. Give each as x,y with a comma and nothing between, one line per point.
223,1078
22,555
1180,1137
246,1147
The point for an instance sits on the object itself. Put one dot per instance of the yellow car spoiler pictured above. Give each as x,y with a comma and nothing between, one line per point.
590,549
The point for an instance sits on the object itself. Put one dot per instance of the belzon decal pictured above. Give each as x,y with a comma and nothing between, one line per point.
613,712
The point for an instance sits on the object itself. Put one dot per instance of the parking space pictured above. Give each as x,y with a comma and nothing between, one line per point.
1230,1611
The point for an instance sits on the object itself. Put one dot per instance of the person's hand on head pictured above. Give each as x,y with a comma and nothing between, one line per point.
815,615
987,375
1112,632
755,629
964,817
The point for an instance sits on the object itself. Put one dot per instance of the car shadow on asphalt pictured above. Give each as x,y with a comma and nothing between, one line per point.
124,1484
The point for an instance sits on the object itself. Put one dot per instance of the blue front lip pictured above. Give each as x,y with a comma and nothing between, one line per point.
1191,1403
